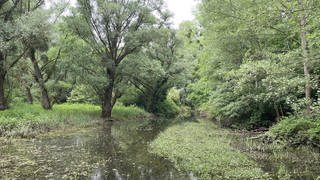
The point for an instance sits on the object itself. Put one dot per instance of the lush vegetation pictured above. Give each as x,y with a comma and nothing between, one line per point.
245,65
258,64
26,120
202,148
54,53
297,131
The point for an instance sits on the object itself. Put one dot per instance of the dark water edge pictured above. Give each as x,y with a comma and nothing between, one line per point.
116,150
279,160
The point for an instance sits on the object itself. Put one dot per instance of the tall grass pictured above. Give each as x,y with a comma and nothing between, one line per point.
26,120
121,112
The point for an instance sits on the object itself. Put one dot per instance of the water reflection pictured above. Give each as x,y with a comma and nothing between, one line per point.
280,162
78,142
117,150
97,175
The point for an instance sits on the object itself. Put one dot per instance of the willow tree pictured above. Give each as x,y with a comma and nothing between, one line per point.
12,15
114,29
158,69
37,43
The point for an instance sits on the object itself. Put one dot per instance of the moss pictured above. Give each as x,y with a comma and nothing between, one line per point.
202,148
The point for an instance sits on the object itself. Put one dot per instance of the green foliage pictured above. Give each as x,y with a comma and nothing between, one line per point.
60,91
249,71
173,106
83,94
130,96
29,120
121,112
167,108
174,95
254,92
158,69
202,148
297,130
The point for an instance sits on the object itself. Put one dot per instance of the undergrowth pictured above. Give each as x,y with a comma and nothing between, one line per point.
297,130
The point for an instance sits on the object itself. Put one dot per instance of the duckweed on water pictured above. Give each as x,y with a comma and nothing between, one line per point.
202,148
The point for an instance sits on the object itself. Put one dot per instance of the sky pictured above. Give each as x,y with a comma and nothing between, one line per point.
182,10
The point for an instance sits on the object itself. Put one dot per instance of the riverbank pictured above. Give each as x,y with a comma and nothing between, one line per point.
297,131
24,120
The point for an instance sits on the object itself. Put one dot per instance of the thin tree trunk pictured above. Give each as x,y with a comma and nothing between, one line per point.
107,98
281,111
29,95
45,101
305,54
277,112
3,101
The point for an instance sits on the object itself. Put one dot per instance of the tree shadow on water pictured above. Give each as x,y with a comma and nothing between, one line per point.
124,147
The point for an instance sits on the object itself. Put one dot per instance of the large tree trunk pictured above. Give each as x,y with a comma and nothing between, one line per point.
107,103
117,95
45,101
305,54
3,101
153,103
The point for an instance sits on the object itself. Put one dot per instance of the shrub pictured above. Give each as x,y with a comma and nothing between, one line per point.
83,94
167,108
297,130
60,90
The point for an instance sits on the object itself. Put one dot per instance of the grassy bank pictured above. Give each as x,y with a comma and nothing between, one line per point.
297,130
279,160
205,150
26,120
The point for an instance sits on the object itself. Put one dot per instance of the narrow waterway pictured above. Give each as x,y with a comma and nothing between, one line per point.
119,151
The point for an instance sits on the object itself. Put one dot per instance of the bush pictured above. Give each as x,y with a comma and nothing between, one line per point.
60,90
297,130
167,108
83,94
130,97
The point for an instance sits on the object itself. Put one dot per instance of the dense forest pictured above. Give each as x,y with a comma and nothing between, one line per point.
242,65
